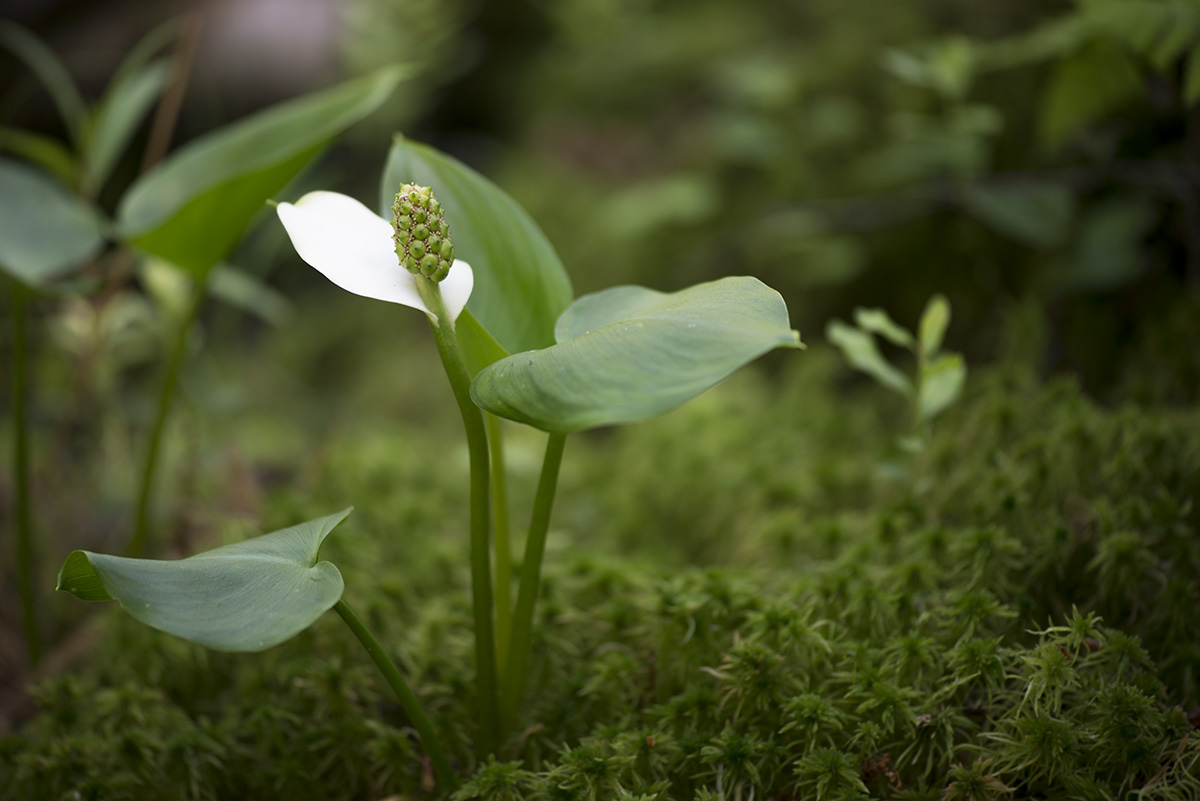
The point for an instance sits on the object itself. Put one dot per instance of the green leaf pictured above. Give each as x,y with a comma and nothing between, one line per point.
520,285
248,596
1108,251
1038,215
861,352
1191,78
630,353
41,150
117,118
479,349
934,321
877,321
142,52
247,292
49,69
195,206
941,384
1085,87
45,231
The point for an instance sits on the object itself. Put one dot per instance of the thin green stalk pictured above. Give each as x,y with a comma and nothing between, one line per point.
408,699
481,569
531,575
25,557
500,534
137,543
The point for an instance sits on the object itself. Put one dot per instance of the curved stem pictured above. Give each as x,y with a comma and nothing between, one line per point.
137,542
25,556
500,536
531,575
481,568
404,693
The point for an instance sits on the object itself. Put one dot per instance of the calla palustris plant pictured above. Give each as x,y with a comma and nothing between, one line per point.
618,356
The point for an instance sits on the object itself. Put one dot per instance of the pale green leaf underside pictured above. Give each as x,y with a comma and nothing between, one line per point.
248,596
521,286
194,208
45,231
630,353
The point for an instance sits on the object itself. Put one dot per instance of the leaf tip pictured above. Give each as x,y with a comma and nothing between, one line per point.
78,577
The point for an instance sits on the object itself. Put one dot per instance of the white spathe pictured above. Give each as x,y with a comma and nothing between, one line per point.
352,246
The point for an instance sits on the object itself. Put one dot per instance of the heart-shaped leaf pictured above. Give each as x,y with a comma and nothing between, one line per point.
520,285
194,207
248,596
45,231
630,353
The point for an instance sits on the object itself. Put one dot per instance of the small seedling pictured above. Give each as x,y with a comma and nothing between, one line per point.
939,376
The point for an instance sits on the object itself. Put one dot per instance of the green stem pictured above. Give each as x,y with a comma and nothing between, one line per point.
531,575
481,569
137,543
404,693
25,557
500,534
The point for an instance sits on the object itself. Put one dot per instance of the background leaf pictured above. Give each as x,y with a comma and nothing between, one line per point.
630,353
935,319
1108,251
45,231
249,293
878,321
195,206
1036,214
941,383
1191,78
520,285
248,596
49,69
861,352
117,118
41,150
1085,87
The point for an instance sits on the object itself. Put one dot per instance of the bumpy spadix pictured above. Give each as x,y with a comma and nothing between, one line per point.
421,234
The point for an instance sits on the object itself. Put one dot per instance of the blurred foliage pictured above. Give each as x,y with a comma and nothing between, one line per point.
850,154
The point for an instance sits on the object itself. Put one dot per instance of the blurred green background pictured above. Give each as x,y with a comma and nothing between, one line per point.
844,152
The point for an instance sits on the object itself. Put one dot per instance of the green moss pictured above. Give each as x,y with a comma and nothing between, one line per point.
1007,616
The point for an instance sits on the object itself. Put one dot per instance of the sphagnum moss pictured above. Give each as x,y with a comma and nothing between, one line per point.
1018,666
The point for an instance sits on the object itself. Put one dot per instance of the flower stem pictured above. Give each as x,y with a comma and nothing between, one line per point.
531,574
404,693
481,569
137,542
25,556
500,534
